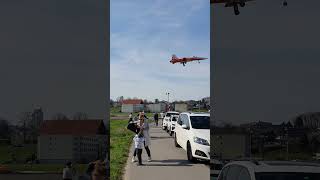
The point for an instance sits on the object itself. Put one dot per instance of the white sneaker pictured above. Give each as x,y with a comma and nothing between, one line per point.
133,159
149,159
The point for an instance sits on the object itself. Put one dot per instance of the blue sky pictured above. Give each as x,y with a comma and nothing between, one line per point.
145,34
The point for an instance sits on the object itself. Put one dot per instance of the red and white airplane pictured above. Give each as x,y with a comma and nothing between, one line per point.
184,60
235,4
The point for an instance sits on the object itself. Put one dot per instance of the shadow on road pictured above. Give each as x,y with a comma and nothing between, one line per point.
171,162
160,137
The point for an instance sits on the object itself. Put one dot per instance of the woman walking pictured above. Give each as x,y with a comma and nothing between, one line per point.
68,172
144,127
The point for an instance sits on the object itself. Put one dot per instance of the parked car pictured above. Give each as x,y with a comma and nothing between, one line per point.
192,133
172,124
167,117
265,170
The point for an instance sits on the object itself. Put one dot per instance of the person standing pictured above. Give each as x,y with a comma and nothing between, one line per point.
144,127
156,118
130,118
67,173
138,144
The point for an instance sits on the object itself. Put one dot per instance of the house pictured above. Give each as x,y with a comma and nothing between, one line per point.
132,105
230,143
308,120
156,108
181,107
80,141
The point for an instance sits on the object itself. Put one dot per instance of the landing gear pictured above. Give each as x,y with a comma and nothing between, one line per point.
184,64
285,3
236,9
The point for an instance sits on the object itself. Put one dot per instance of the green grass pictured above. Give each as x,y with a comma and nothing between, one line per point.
50,168
115,110
121,139
21,153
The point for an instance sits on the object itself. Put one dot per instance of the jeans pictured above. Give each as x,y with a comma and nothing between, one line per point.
139,152
147,149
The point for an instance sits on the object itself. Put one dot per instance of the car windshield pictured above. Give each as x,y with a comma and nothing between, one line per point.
287,176
169,114
174,118
200,122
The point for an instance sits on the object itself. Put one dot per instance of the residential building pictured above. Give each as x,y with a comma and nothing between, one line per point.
80,141
181,107
132,105
308,120
156,108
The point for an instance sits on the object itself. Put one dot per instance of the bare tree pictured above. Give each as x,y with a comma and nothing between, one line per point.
80,116
120,99
24,122
111,102
59,116
4,128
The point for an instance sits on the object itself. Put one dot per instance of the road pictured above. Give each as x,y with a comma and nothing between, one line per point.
168,162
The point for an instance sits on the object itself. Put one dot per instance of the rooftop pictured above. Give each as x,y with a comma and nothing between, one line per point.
132,101
72,127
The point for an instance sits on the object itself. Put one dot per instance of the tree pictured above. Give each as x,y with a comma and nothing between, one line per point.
80,116
156,101
298,122
111,103
24,122
120,99
59,116
4,128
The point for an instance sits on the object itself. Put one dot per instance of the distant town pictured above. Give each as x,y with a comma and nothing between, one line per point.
34,140
294,139
129,105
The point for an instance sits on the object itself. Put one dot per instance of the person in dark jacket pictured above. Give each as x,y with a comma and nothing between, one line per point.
68,172
156,118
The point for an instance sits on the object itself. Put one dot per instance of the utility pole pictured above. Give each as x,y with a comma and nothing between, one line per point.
168,100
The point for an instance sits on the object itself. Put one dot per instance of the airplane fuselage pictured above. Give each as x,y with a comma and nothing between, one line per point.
181,60
235,3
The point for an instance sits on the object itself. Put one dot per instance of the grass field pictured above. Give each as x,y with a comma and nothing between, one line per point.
50,168
120,141
21,153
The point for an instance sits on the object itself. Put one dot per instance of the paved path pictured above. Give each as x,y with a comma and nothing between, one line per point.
168,162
